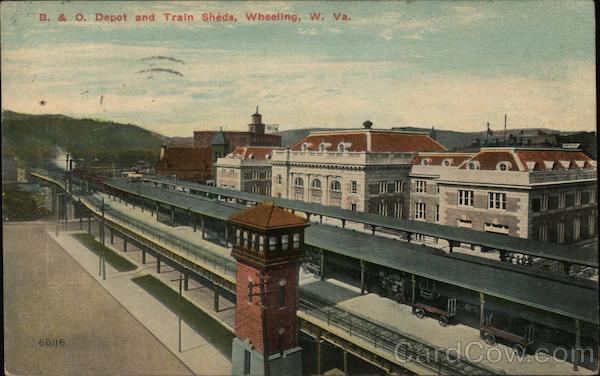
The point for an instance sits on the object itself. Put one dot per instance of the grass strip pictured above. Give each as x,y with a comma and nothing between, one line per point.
116,261
193,316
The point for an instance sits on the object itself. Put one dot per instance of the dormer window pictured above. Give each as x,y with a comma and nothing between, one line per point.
304,146
503,166
251,156
322,147
447,162
473,165
426,162
341,147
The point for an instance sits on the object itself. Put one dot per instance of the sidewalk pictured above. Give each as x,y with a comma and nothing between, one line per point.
199,355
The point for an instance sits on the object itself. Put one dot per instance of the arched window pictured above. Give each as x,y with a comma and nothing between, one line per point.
341,147
503,166
447,162
316,184
304,146
299,182
336,186
322,146
474,165
426,162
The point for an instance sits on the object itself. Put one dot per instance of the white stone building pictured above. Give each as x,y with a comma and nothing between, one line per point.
364,170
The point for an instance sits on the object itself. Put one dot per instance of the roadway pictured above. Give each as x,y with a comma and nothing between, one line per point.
47,295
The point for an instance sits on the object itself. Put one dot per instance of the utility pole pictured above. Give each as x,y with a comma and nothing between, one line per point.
504,129
180,280
263,317
103,245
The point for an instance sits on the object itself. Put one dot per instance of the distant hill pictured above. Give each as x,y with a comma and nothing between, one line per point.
37,137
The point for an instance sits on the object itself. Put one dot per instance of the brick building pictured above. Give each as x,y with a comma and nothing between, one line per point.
193,164
547,194
365,170
198,163
247,169
255,136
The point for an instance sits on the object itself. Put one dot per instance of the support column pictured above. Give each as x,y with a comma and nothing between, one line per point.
566,267
226,236
345,361
194,217
203,229
362,277
322,265
216,297
186,279
124,244
89,223
80,218
143,256
172,216
318,352
158,264
577,352
414,289
481,312
372,230
343,223
112,236
408,236
66,209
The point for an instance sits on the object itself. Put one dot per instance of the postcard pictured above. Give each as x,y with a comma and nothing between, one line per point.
299,187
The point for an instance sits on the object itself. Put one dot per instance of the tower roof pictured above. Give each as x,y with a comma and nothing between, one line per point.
219,138
267,216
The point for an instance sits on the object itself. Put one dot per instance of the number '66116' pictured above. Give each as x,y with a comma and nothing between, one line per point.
48,342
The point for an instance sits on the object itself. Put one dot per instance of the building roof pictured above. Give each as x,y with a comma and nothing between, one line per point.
254,152
560,252
369,140
267,216
180,158
530,159
438,158
219,138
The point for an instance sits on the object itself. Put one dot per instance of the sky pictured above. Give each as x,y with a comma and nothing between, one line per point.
448,64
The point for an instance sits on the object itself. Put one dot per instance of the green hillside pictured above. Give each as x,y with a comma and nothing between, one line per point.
37,137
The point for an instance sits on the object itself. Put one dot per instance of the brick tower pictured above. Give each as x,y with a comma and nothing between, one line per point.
268,247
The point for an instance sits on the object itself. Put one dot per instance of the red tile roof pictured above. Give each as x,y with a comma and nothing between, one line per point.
436,159
254,152
267,216
531,159
381,141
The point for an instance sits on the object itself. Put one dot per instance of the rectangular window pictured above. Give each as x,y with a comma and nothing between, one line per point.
570,200
279,179
544,202
284,242
437,213
255,174
578,198
398,209
437,189
246,362
261,244
560,232
497,200
562,199
420,186
535,204
464,223
496,228
465,198
353,186
250,291
591,225
419,210
246,239
353,207
296,241
593,195
576,228
253,239
552,202
382,208
272,243
543,233
585,197
398,186
238,233
281,295
383,186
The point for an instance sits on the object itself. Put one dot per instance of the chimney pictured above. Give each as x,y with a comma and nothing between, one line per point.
163,149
